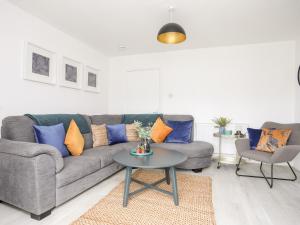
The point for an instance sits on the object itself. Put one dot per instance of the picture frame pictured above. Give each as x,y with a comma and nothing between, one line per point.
91,81
71,73
39,64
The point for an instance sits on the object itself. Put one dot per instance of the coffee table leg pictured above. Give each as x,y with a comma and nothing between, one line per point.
167,172
127,185
174,184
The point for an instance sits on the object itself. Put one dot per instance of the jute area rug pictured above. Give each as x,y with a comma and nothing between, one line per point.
155,208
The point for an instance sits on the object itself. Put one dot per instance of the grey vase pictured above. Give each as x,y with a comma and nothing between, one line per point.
222,130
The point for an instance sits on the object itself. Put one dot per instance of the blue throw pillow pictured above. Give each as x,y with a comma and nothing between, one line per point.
52,135
116,133
182,131
254,136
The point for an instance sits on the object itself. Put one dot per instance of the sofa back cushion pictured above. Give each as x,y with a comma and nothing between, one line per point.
88,137
294,138
106,119
181,118
18,128
145,119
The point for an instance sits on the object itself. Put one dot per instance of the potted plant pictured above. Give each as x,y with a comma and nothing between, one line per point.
144,134
221,123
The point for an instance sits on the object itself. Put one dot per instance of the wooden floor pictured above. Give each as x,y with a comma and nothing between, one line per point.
237,200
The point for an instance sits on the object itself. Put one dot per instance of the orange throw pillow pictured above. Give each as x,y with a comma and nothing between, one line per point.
74,139
160,131
271,139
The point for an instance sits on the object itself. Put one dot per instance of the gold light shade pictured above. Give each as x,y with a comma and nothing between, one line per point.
171,33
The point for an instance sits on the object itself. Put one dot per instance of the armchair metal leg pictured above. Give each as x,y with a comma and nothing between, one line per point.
267,178
270,179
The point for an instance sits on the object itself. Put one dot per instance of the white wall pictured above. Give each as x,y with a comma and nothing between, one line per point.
297,94
250,84
18,96
297,87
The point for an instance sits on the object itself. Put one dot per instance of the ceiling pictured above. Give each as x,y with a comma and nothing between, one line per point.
107,24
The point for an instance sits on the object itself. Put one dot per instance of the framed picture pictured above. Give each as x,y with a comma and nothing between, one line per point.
71,73
91,79
39,64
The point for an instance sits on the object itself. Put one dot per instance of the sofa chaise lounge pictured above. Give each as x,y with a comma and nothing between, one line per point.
35,177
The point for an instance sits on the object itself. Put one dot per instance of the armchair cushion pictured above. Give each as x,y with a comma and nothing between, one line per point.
258,155
284,154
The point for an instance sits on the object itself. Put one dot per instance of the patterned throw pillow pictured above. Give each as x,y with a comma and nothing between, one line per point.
271,139
131,132
99,135
160,131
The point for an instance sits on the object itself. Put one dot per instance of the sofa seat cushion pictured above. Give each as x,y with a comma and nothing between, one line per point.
76,167
191,150
104,154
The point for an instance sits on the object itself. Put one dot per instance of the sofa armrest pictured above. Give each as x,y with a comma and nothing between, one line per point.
28,183
30,150
285,154
242,145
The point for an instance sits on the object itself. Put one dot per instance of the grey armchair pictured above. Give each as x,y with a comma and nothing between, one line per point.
282,155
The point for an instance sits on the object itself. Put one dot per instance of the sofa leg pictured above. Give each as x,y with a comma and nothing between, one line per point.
41,216
199,170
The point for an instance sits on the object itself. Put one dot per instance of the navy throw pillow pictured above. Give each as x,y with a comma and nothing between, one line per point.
182,131
52,135
254,136
116,133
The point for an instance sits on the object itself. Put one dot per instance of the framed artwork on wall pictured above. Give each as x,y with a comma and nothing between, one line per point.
91,79
71,73
39,64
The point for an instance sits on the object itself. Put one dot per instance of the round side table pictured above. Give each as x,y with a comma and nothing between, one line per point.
222,159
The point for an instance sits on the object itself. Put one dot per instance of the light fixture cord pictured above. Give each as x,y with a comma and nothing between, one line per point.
171,11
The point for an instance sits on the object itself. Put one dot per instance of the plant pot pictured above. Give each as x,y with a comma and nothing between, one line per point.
222,130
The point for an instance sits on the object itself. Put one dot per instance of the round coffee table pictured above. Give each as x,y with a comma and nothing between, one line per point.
160,159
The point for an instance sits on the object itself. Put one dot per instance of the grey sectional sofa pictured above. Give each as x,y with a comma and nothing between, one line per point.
35,177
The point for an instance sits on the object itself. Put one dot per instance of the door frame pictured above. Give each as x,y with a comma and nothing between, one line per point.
159,82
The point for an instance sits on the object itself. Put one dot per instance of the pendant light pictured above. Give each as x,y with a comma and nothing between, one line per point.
171,33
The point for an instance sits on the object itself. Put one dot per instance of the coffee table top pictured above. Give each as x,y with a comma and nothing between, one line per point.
161,158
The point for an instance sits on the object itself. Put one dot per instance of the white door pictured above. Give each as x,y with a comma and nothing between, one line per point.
141,91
